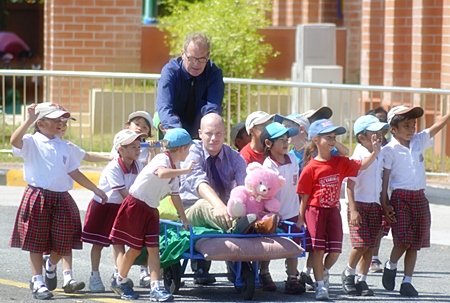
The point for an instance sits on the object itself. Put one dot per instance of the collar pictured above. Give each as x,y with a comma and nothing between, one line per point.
287,160
133,168
43,138
170,159
207,155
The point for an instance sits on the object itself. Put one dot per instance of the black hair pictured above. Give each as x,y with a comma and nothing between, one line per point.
377,110
146,122
363,132
399,118
240,132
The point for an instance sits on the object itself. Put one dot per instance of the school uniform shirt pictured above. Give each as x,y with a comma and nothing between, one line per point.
150,188
116,176
322,180
250,155
143,157
368,182
286,195
407,165
47,162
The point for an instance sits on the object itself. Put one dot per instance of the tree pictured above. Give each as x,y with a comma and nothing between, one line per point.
232,25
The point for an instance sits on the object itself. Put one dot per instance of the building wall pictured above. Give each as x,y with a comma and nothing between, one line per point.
91,35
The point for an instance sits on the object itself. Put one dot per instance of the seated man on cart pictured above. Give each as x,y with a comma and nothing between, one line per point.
206,190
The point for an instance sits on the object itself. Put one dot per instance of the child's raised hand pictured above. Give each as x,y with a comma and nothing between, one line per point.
32,115
376,144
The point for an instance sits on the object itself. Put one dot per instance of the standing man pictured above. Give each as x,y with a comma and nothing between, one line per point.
190,87
205,191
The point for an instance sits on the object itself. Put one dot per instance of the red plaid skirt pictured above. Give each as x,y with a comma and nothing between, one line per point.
412,212
47,221
368,233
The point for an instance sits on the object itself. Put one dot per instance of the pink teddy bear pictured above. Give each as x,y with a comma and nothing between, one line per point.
257,196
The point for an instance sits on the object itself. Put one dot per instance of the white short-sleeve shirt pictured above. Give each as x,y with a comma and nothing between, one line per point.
47,162
407,165
116,176
287,195
368,181
151,189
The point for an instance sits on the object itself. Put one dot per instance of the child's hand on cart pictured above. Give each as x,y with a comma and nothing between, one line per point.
300,222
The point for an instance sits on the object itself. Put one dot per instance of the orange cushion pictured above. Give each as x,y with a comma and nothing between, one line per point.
247,249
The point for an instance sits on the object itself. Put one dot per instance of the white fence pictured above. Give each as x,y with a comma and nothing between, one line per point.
101,103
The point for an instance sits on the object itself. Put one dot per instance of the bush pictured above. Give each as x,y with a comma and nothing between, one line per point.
236,46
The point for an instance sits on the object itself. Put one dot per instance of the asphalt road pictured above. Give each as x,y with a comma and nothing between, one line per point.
431,277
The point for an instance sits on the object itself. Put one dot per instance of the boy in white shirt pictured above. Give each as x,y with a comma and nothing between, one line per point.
364,209
137,222
407,209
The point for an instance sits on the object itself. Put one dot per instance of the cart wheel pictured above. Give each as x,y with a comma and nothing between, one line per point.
172,278
248,278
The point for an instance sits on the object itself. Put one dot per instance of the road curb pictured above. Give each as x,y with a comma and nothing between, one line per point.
14,177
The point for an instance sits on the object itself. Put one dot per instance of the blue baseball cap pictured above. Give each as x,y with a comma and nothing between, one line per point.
324,126
176,137
275,130
368,122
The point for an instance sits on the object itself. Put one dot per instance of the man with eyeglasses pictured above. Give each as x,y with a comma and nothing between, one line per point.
190,87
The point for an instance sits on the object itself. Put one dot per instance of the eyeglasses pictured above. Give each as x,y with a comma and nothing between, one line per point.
194,59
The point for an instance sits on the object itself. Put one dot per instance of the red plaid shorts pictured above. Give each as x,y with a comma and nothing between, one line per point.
46,222
412,212
368,233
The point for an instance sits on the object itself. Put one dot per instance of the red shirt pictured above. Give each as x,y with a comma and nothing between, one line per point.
323,180
250,155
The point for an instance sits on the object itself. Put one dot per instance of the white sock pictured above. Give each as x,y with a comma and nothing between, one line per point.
95,274
375,258
326,271
50,267
38,281
390,265
154,284
67,274
407,279
320,284
121,280
362,277
350,271
144,271
307,270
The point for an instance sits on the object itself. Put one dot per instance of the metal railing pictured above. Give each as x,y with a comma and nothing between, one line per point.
101,103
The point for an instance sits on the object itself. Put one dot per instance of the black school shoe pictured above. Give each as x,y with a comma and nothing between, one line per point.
389,278
362,289
44,294
348,284
51,283
73,286
408,290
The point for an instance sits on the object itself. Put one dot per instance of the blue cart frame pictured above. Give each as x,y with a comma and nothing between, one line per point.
245,273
